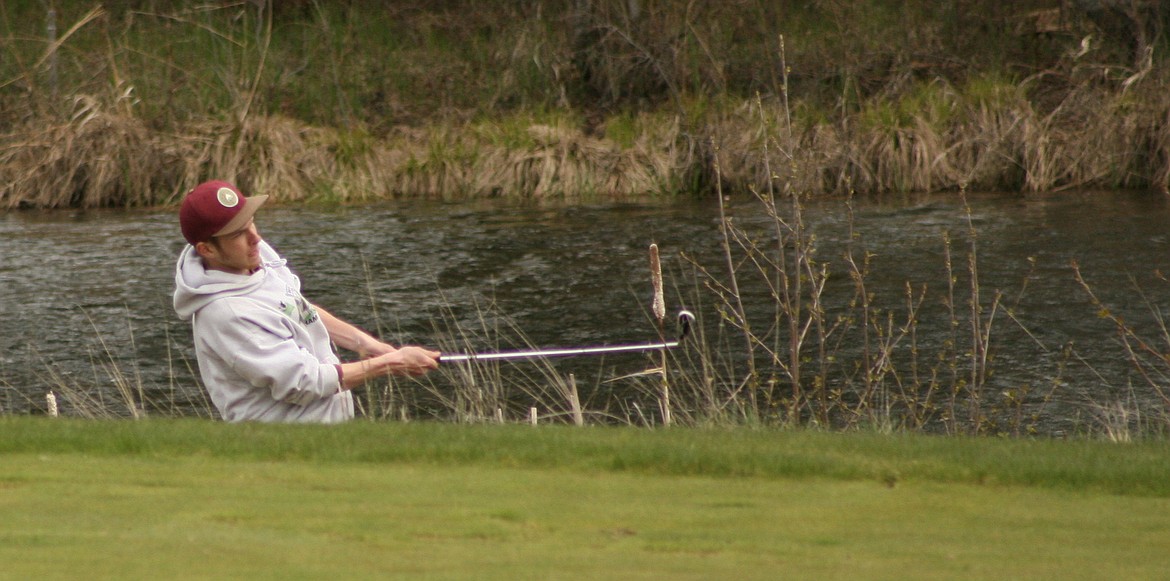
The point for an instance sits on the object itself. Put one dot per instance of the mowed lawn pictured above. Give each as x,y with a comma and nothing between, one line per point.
194,499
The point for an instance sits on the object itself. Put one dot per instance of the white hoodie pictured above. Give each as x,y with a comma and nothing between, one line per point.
263,351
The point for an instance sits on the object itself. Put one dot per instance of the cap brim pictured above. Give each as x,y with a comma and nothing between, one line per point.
240,220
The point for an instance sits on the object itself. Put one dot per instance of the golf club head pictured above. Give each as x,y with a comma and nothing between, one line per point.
685,320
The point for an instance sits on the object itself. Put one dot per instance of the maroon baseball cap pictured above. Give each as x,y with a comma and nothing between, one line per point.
215,208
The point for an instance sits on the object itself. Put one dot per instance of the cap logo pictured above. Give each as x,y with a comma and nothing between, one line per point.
227,197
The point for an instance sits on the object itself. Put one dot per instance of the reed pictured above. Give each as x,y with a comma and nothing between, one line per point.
100,157
856,352
502,391
658,312
114,386
835,359
1123,415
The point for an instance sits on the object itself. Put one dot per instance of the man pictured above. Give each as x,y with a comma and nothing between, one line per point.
265,353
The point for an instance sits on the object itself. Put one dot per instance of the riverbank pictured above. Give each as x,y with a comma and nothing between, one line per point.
131,105
428,500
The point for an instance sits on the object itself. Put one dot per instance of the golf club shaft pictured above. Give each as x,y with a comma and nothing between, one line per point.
685,319
568,352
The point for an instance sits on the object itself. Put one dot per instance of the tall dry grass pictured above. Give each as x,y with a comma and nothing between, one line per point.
786,336
103,156
1095,137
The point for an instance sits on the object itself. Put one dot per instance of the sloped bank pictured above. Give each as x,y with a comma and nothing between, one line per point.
935,138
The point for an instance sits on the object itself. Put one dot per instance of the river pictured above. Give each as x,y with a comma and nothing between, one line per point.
85,295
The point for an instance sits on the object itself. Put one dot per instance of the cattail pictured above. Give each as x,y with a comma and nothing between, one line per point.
658,307
51,399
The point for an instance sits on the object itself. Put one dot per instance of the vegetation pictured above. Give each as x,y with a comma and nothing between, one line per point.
131,102
135,101
787,336
1139,469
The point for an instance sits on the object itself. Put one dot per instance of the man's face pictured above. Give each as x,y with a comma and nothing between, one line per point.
235,252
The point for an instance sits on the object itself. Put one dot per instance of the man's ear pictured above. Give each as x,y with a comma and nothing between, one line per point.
204,249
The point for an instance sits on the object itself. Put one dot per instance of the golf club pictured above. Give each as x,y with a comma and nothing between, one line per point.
685,318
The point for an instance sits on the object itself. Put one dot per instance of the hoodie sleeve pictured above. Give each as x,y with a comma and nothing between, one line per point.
258,346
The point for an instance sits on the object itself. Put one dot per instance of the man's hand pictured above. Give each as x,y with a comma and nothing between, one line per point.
378,358
411,360
407,360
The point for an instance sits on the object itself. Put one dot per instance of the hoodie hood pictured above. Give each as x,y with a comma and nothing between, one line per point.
196,286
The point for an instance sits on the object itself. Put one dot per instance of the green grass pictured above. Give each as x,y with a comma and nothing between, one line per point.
189,498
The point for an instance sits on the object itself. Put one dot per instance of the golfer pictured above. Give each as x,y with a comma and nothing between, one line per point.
265,353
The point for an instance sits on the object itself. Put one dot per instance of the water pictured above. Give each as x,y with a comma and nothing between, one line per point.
84,292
